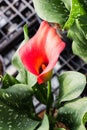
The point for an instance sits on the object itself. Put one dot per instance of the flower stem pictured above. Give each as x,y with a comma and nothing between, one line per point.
49,96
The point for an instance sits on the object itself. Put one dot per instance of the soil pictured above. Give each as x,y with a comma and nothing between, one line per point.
58,124
61,125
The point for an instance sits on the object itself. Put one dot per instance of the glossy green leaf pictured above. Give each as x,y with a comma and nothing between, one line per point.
71,85
71,114
45,124
26,37
8,81
18,95
60,129
40,92
51,10
78,32
15,119
24,76
78,8
67,4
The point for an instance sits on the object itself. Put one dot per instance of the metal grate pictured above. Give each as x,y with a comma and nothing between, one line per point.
7,56
13,15
68,62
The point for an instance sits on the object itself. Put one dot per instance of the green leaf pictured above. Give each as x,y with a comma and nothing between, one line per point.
45,124
15,119
18,63
60,129
40,92
24,76
18,95
78,32
8,81
25,28
77,9
71,85
67,4
71,114
51,10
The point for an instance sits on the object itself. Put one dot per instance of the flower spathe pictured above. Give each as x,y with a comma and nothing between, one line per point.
40,54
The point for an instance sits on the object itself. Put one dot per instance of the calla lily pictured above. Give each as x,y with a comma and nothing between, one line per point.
40,54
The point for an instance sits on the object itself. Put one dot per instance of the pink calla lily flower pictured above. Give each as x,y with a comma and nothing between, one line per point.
40,54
